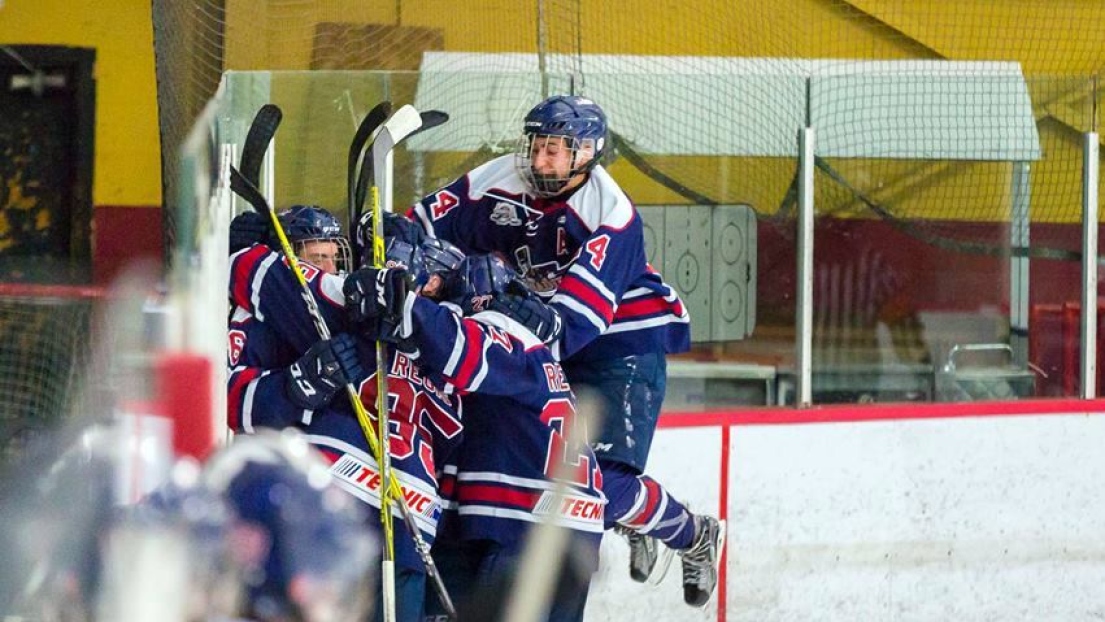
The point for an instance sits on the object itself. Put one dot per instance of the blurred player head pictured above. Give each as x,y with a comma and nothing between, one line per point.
172,552
317,238
57,506
311,549
562,140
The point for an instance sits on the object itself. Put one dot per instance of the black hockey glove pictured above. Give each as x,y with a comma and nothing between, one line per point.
249,228
323,371
395,226
541,319
375,300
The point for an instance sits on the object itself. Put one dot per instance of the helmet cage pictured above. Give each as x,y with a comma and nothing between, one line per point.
582,159
343,257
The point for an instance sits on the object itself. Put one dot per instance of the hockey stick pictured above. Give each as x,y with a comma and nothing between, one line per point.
246,189
368,126
260,134
430,120
405,122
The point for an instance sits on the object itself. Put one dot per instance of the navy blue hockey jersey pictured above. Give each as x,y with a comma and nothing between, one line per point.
422,414
519,414
586,251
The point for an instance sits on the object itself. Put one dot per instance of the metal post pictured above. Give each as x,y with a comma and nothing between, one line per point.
1091,169
268,174
804,297
542,48
1019,238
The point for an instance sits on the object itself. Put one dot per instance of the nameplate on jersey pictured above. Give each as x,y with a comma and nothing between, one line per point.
574,511
363,481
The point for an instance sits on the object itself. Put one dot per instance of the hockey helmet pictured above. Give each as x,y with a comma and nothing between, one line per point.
310,223
579,122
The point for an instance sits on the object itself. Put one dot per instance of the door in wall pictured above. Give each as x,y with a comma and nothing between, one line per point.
47,111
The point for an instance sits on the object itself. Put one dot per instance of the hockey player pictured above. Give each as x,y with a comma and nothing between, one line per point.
315,234
519,417
556,213
307,549
283,375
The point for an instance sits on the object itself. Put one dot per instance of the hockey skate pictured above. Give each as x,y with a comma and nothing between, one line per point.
700,562
648,561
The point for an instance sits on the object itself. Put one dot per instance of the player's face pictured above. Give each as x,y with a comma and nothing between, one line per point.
551,156
433,287
321,253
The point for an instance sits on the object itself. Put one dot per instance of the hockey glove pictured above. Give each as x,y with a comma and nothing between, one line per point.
541,319
395,226
377,299
247,229
318,375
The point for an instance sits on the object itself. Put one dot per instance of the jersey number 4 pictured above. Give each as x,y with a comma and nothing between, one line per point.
444,201
597,248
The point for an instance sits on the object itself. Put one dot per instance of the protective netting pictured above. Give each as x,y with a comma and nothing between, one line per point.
948,135
671,115
45,350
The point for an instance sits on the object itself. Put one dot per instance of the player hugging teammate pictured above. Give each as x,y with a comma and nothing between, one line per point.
482,361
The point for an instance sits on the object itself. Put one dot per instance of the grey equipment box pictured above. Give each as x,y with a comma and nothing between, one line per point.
708,254
970,374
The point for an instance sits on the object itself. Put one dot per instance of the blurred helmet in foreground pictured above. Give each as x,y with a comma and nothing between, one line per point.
308,550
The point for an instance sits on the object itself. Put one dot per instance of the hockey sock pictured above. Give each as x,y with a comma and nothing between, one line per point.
640,503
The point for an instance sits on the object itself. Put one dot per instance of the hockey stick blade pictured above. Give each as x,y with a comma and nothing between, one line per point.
260,134
402,124
431,119
368,126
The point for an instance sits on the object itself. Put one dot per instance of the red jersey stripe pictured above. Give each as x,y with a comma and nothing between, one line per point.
580,290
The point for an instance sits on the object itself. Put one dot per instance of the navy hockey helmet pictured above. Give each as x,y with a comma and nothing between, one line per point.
440,256
478,279
311,223
312,548
398,253
579,122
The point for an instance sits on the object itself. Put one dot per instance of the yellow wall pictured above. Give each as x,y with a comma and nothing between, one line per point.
128,160
271,34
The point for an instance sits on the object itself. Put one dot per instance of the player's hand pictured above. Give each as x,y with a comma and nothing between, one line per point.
377,299
247,229
323,370
541,319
